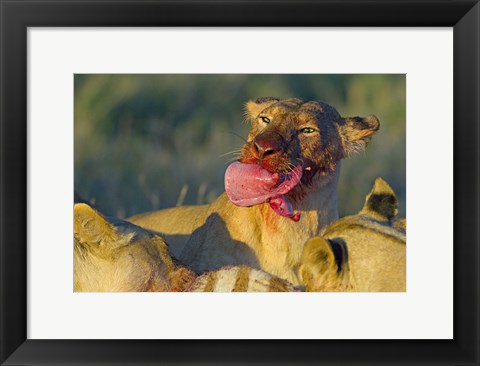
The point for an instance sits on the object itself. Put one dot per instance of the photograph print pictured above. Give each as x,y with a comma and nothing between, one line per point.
239,182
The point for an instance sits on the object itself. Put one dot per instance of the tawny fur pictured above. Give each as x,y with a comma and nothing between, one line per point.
363,252
111,255
221,234
117,256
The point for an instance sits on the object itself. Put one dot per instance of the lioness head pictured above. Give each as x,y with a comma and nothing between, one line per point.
292,132
362,252
116,256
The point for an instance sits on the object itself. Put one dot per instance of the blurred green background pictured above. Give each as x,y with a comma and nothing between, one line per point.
147,142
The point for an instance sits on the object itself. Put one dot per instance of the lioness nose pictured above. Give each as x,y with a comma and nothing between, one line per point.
267,145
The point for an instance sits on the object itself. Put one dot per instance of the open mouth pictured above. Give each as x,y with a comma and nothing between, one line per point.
250,185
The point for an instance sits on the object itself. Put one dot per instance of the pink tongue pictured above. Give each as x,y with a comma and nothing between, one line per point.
249,185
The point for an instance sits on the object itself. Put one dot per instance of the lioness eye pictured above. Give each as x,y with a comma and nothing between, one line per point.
307,130
265,119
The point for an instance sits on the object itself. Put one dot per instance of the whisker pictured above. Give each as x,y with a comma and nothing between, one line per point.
295,173
240,136
231,152
301,161
229,161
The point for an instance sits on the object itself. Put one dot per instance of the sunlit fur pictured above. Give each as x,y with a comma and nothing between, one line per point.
116,256
363,252
111,255
221,234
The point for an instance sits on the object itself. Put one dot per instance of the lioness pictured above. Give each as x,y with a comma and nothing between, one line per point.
363,252
115,256
281,192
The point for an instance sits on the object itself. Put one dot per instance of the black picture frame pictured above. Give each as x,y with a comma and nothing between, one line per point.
17,15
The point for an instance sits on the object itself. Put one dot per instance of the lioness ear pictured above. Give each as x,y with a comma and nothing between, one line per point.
324,264
318,252
381,203
254,107
357,131
90,227
318,259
